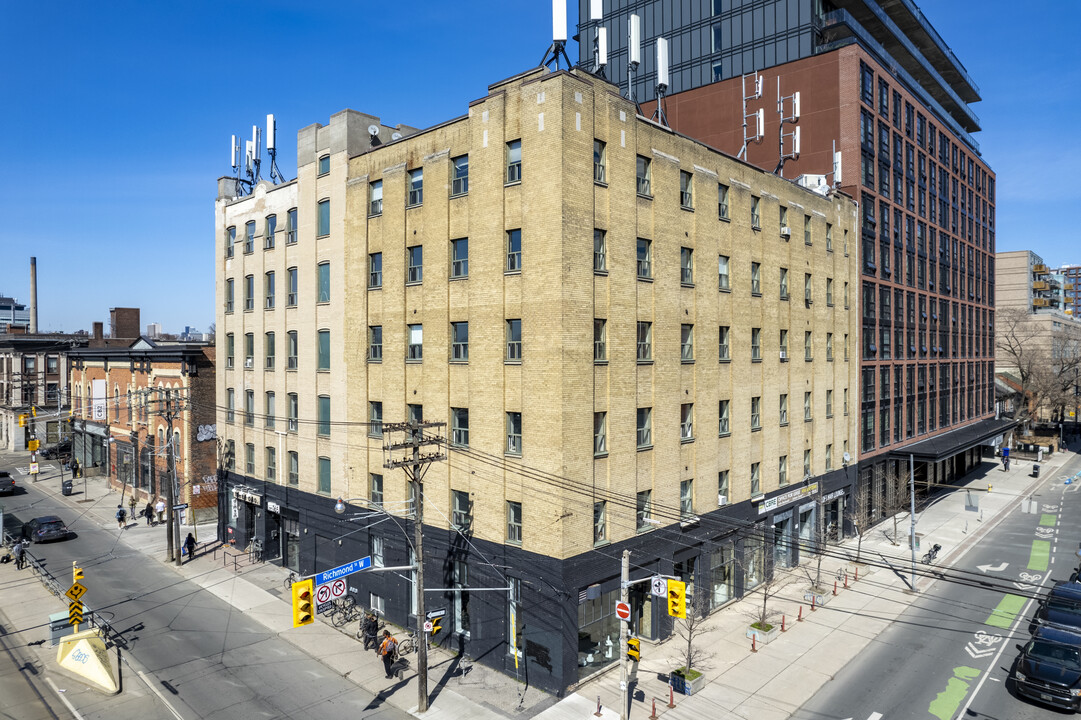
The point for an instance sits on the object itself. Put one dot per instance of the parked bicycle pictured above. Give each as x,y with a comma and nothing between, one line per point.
290,579
930,555
409,644
345,611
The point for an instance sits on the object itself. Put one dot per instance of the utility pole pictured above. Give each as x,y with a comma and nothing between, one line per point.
624,594
415,464
172,517
912,514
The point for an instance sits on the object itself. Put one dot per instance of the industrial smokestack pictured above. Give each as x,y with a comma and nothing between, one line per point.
33,295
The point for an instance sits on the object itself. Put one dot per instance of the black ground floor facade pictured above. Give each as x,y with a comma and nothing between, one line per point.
565,624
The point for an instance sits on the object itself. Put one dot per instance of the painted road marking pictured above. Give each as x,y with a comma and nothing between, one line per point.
945,704
988,641
1040,555
1006,611
1048,520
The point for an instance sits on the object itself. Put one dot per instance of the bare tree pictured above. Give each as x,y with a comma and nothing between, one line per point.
689,629
1044,364
858,513
772,584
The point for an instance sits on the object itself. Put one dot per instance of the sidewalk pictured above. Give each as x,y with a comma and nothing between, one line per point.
769,684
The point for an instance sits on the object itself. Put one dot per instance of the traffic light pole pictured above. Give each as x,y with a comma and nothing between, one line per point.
624,595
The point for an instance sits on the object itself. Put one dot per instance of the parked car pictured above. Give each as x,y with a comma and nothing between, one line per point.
1048,669
43,529
1062,607
57,450
7,483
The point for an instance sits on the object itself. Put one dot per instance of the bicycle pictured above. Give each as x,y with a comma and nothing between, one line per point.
930,555
345,611
372,639
290,579
409,644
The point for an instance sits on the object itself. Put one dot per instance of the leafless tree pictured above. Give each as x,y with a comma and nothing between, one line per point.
858,512
762,615
689,629
1045,365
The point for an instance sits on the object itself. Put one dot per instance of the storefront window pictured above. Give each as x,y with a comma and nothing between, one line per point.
720,573
782,541
598,633
807,529
754,562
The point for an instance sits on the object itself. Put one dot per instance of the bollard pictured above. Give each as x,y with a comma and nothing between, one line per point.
671,695
782,624
834,587
598,713
653,715
846,580
812,602
754,647
857,576
799,618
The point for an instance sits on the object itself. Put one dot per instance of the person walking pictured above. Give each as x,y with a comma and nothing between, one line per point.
148,513
159,508
74,468
131,506
369,630
189,547
387,650
121,516
20,555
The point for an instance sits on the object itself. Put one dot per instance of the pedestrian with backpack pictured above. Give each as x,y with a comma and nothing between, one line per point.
121,516
388,650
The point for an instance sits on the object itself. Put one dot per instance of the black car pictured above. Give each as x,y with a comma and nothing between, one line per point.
7,483
1061,608
58,450
1049,668
46,528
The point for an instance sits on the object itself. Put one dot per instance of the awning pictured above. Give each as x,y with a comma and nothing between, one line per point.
956,441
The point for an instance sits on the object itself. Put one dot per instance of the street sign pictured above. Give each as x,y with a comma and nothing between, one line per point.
623,611
76,591
337,588
322,594
33,445
181,506
433,614
75,612
427,626
33,468
342,570
659,586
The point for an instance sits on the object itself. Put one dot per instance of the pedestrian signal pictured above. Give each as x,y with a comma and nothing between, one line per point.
302,602
677,598
634,649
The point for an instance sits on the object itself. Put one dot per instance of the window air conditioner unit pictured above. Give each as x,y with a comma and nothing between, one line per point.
786,231
722,500
784,356
248,362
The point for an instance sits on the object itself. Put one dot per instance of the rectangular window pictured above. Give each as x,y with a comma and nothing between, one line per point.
459,258
829,292
514,522
459,175
249,350
514,161
783,344
645,341
514,341
600,522
375,270
722,273
375,198
268,291
600,260
268,346
600,433
323,271
459,342
599,160
229,295
249,408
645,270
291,361
686,267
291,298
249,292
291,227
230,405
723,428
722,487
756,413
459,427
807,346
415,182
375,488
756,480
686,422
294,411
324,166
784,284
782,470
461,511
375,418
722,201
324,416
249,459
783,407
829,347
829,403
807,298
271,465
323,227
642,173
645,428
294,468
415,349
756,218
723,350
600,346
643,510
377,551
414,264
686,499
230,242
324,476
756,279
514,433
230,347
686,191
323,355
756,344
686,343
375,343
514,251
249,237
829,237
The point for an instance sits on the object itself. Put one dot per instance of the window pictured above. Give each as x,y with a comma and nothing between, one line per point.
829,292
756,344
377,551
784,283
807,406
459,342
686,191
756,413
459,175
514,433
783,221
722,273
375,417
829,347
642,173
324,165
375,270
294,468
375,488
723,353
323,226
291,338
599,160
723,427
600,348
829,237
756,279
324,415
645,341
686,343
722,487
249,292
291,227
459,427
806,463
600,522
600,433
249,408
514,522
416,188
686,267
784,408
230,242
294,411
686,422
829,403
414,264
271,228
782,470
323,282
415,349
600,263
829,457
323,354
783,343
846,401
645,428
229,295
249,237
644,266
459,258
722,201
514,251
268,290
268,346
324,476
230,405
461,511
686,499
756,481
514,161
249,459
642,515
291,298
514,341
230,347
807,298
375,198
249,350
756,218
271,465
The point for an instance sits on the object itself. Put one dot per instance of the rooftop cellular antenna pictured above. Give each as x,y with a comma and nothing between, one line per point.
792,117
662,80
272,150
256,134
600,37
240,184
634,56
559,36
758,117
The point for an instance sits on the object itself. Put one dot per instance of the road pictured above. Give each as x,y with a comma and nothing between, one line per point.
194,652
951,654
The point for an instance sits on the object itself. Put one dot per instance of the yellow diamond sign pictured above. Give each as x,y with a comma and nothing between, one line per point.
76,591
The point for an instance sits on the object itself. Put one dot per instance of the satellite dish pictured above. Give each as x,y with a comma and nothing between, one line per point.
396,136
373,130
846,458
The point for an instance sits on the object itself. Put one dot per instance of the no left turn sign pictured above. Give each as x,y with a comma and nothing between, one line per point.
322,594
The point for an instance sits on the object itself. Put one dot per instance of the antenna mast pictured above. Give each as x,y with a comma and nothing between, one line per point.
256,134
795,134
634,56
272,150
600,37
662,80
240,185
758,115
559,36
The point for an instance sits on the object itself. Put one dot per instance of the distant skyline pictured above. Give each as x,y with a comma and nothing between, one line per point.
119,115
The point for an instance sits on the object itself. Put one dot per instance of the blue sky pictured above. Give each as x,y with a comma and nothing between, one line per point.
117,118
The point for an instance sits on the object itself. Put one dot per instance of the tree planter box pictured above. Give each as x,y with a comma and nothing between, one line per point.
761,637
863,568
687,686
821,597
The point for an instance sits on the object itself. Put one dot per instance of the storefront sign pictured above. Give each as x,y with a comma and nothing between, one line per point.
273,507
771,504
835,494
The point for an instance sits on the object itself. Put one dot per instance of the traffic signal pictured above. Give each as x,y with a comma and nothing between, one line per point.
677,598
634,649
76,574
436,627
303,614
22,419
